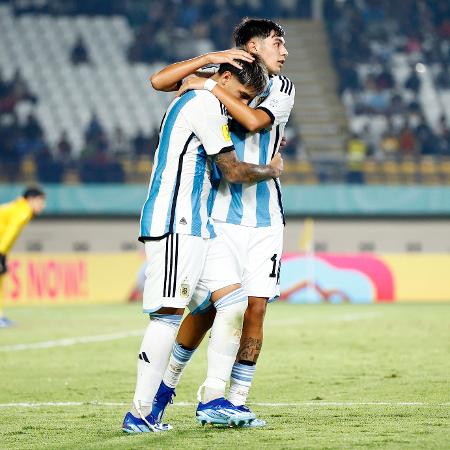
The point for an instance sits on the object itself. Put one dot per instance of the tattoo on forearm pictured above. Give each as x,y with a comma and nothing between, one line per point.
250,349
242,172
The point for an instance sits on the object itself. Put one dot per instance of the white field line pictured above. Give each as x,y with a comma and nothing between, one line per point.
125,334
182,404
71,341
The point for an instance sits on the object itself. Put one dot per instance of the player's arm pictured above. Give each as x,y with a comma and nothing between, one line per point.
252,119
210,126
169,78
236,171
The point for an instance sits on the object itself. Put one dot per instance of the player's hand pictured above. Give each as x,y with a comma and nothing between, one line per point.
283,143
192,82
277,165
229,56
3,265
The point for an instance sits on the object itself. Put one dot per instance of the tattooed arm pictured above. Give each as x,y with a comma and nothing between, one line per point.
236,171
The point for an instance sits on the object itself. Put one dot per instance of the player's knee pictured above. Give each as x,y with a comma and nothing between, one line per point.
256,309
234,304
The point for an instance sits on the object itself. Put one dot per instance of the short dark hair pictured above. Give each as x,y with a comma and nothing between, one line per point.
252,74
33,192
255,28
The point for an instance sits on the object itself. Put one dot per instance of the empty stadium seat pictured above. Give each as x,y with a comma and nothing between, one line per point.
408,171
391,172
40,45
429,171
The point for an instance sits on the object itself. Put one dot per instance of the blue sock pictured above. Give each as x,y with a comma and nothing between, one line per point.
179,359
241,380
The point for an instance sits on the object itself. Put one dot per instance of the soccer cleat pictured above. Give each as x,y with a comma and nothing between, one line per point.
255,423
163,397
5,322
133,425
222,412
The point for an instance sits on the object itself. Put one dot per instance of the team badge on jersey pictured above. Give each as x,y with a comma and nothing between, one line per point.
185,289
226,132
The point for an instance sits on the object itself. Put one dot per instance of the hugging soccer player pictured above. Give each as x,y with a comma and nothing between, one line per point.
249,217
180,240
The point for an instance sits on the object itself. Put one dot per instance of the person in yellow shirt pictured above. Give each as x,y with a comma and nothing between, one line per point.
13,217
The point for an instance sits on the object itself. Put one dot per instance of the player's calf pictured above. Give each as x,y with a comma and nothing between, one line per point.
223,343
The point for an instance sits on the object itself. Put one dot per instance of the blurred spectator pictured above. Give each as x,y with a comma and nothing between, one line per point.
389,143
413,44
375,99
79,53
20,90
370,140
427,140
356,155
49,170
349,78
120,145
32,128
97,164
202,42
384,79
289,151
443,137
397,106
14,91
413,81
443,77
140,144
94,129
10,157
407,141
64,151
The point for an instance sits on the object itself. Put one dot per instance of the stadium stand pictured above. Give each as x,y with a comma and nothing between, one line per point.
393,79
372,106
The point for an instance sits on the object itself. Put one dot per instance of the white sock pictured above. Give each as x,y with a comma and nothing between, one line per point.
153,355
223,344
178,360
240,382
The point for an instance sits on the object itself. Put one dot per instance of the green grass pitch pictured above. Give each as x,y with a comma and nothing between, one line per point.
372,376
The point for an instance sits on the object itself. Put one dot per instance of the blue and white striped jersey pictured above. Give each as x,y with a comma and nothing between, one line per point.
179,196
257,204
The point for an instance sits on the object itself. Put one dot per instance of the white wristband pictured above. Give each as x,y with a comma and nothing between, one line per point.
209,84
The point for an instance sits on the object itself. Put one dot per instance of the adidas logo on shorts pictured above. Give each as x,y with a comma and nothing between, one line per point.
183,221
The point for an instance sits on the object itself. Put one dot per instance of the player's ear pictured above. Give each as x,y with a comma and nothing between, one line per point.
225,78
252,46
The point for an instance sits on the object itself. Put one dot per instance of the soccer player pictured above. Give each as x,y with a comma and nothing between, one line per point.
176,230
249,217
13,217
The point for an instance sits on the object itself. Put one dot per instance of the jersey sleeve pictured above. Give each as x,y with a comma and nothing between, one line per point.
210,124
280,101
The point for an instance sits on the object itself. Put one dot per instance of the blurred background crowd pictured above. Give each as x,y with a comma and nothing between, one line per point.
76,105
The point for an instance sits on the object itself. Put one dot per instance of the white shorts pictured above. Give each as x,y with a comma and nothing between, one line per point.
221,269
256,254
176,266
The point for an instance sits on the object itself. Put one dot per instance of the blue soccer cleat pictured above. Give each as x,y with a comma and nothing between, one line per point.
5,322
133,425
222,412
255,423
163,397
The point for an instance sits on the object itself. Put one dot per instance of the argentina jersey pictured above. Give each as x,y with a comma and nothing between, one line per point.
179,197
257,204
